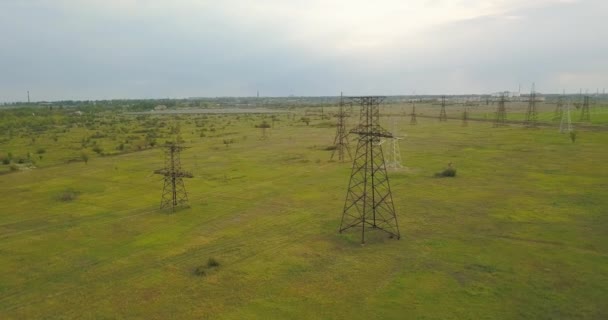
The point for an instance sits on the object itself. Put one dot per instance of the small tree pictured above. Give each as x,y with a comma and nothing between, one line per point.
573,136
264,124
305,120
85,157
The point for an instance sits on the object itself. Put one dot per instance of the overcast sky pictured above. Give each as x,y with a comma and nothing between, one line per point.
101,49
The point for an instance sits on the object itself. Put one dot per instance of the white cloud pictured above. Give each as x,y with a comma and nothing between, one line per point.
188,47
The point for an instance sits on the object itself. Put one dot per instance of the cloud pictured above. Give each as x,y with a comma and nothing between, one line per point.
65,49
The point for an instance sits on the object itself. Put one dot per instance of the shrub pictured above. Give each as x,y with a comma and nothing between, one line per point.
200,271
14,167
40,151
573,136
68,195
449,172
212,263
84,157
6,160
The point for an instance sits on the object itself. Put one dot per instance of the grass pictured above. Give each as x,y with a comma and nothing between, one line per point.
520,232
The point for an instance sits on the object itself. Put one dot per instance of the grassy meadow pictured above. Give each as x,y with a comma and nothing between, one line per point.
520,233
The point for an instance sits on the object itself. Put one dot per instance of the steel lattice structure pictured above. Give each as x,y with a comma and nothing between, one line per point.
532,114
341,139
566,122
174,190
369,202
559,107
394,153
442,115
585,114
413,120
501,112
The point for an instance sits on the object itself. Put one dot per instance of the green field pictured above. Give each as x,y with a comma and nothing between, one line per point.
520,233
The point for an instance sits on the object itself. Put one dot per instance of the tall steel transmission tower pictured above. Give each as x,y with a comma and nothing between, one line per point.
369,202
585,114
465,117
413,120
566,122
559,107
501,112
394,154
174,190
341,139
531,114
442,115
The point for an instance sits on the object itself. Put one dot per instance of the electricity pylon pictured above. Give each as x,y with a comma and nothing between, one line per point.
174,191
465,117
566,123
369,202
531,114
442,115
413,120
559,107
501,112
341,138
394,154
585,114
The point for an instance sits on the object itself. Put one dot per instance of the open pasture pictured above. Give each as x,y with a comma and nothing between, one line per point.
520,232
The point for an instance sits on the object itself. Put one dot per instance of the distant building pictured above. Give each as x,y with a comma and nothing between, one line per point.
160,107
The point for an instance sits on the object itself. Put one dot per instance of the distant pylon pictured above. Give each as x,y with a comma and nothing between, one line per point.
501,112
559,107
566,123
585,114
341,139
394,154
369,202
174,191
465,117
531,114
442,115
413,120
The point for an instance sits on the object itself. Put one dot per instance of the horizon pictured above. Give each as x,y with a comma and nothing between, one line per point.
600,93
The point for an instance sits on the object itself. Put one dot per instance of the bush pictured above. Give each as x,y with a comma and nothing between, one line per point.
449,172
212,263
6,160
68,195
14,167
200,271
84,157
40,151
573,136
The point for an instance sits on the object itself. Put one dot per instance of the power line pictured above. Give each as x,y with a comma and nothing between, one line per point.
341,138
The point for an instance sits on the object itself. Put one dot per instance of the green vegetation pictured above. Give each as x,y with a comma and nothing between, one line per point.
520,233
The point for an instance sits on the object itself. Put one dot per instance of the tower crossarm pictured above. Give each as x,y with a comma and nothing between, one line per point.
374,131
